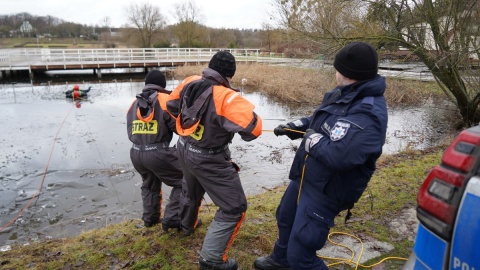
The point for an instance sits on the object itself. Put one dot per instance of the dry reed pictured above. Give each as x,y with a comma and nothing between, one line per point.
299,86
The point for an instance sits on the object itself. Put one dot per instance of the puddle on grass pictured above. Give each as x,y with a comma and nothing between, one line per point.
84,150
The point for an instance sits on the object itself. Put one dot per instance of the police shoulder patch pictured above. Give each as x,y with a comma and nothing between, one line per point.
339,130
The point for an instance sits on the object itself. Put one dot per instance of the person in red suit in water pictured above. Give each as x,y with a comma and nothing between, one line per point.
76,92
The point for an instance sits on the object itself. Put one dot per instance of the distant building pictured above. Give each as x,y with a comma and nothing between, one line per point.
26,28
116,32
423,33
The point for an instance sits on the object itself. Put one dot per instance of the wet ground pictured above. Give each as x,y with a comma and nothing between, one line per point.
73,158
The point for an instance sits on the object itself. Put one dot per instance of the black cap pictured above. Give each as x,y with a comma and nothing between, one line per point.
224,63
156,77
358,61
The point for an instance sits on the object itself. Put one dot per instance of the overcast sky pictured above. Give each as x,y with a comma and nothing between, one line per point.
217,13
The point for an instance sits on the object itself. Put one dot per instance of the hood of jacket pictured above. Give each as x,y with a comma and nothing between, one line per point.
215,77
148,97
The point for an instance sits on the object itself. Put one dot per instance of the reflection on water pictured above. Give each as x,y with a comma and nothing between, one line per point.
417,128
412,128
85,149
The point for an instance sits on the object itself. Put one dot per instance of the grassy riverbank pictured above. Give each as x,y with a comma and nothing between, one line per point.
128,245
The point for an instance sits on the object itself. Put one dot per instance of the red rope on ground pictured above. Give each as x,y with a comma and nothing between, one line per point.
43,177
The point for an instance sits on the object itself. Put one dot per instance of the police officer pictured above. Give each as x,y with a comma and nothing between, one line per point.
150,128
209,113
341,142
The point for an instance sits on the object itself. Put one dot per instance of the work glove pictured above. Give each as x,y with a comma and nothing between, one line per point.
281,130
311,139
293,130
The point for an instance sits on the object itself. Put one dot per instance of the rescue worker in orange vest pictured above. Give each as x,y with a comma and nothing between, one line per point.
76,92
208,114
150,128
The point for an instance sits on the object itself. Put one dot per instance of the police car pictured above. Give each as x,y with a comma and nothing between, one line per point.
448,209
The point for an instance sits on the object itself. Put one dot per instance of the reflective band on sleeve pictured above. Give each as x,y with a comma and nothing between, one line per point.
297,123
232,97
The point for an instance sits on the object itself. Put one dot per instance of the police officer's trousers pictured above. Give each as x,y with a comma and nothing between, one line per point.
303,229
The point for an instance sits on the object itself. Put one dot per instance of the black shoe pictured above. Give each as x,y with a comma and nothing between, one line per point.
188,232
149,224
170,225
267,263
230,264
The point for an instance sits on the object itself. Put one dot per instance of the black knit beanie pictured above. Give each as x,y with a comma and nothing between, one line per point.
156,77
358,61
224,63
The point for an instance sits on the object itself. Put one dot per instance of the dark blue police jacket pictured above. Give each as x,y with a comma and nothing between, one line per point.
353,122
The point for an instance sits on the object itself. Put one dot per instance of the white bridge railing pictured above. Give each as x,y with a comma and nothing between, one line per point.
26,57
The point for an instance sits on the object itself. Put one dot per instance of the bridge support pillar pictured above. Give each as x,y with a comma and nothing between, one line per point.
5,74
99,73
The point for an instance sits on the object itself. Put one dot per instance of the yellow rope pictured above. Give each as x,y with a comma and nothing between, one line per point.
350,261
287,129
301,180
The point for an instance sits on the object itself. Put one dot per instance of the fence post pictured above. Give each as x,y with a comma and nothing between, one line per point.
64,60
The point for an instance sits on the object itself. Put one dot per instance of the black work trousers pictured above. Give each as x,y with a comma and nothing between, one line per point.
157,167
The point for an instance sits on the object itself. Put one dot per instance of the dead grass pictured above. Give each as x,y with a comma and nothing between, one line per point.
306,87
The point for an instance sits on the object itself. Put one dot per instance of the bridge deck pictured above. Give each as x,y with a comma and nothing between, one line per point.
64,59
34,60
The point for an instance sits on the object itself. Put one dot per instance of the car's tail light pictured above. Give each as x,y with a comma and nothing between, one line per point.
440,193
441,190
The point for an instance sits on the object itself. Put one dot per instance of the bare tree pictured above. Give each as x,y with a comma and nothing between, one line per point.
147,21
106,22
443,34
271,37
189,30
220,37
106,33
